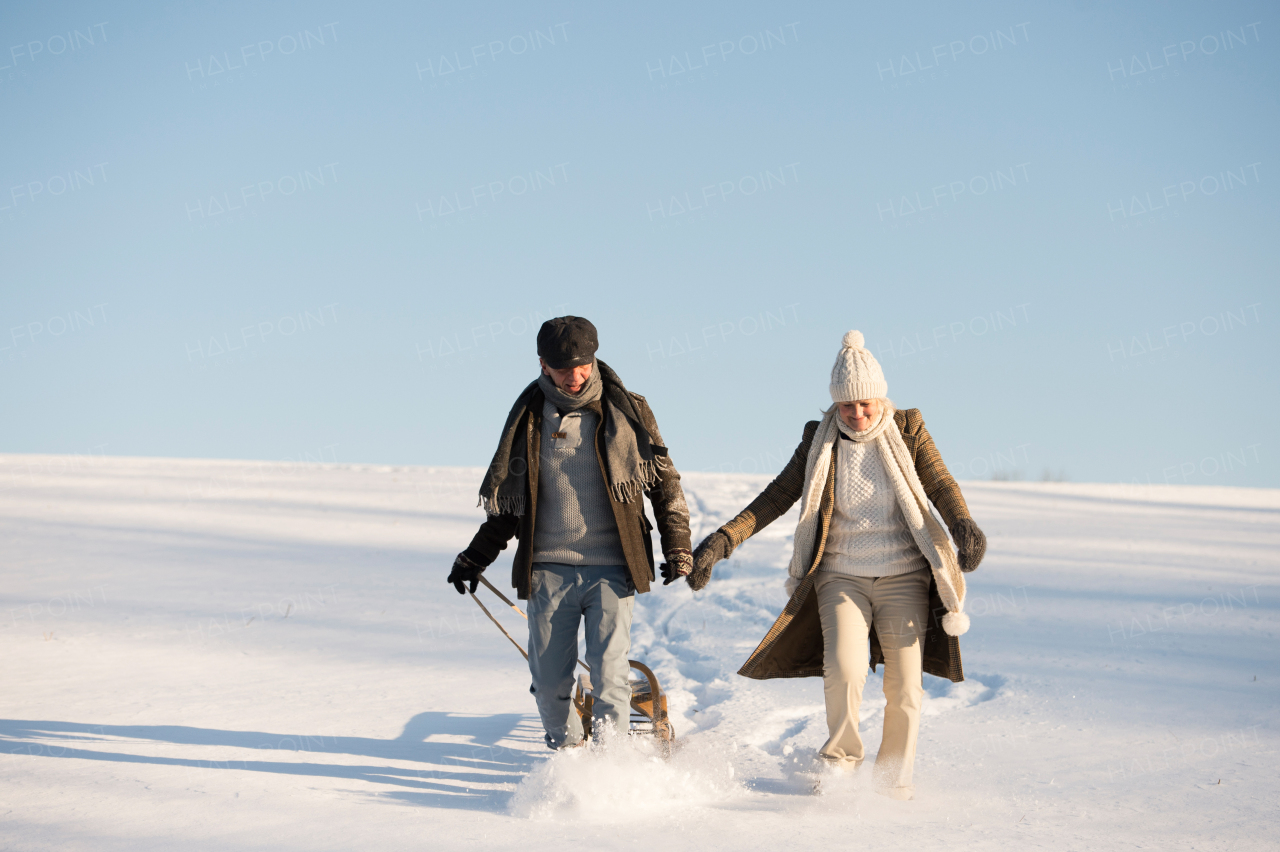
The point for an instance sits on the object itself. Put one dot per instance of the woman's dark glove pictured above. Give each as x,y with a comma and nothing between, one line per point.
465,571
971,544
679,563
713,548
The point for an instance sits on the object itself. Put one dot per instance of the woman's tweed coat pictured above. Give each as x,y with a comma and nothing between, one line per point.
793,646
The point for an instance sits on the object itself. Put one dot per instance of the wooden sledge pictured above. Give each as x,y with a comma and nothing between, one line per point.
648,707
648,701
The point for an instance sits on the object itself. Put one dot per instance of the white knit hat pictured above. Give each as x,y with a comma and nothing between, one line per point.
856,374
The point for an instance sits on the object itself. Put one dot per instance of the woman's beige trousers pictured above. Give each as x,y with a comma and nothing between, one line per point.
899,609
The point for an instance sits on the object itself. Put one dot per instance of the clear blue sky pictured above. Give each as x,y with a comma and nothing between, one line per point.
330,230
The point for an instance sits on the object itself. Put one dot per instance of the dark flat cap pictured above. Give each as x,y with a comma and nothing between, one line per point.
565,342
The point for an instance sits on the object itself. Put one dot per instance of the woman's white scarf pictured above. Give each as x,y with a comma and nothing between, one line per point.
929,535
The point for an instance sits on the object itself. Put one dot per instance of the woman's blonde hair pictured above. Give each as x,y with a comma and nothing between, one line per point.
885,402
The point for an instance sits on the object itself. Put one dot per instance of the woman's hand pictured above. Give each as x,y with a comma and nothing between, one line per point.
714,548
971,544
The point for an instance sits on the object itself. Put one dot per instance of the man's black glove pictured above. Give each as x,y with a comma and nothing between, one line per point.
679,563
465,571
713,548
971,544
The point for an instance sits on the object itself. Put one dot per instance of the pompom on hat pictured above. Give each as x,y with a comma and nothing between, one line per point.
856,374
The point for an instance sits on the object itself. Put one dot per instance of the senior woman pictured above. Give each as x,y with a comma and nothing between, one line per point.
870,564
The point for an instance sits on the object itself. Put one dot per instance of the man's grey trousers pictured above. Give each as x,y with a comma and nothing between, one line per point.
561,596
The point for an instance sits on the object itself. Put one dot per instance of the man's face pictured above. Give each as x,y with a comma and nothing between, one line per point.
570,380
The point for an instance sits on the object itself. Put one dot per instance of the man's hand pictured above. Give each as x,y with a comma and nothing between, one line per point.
679,563
465,571
971,544
714,548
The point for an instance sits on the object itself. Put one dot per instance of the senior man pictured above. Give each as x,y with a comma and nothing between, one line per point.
577,455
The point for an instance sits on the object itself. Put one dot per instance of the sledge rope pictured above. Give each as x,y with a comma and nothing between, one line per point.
500,627
508,602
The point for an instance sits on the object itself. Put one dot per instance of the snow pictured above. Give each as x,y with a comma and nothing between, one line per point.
236,655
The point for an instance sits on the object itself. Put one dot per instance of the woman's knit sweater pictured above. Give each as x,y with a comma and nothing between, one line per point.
869,536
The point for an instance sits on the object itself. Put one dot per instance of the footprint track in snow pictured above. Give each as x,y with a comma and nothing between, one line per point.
796,721
943,696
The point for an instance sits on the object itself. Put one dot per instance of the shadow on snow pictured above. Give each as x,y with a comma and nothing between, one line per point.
451,776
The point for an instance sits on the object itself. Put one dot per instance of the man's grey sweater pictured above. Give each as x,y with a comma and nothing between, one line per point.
574,523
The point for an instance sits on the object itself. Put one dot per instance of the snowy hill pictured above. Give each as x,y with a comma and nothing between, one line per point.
213,655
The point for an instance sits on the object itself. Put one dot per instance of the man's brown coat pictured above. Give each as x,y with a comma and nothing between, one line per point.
667,496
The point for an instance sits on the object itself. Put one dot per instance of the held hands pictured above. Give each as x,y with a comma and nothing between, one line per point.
679,563
971,544
465,571
714,548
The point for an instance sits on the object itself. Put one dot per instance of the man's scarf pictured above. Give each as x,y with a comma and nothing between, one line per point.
927,532
630,458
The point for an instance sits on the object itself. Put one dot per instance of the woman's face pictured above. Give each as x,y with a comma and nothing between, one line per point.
861,415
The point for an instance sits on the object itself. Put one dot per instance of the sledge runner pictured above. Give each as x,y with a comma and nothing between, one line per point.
577,455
